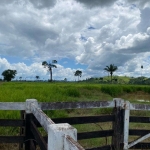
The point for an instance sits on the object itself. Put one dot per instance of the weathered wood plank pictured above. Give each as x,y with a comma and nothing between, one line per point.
94,134
42,118
81,120
76,105
12,105
85,119
12,139
139,107
140,119
39,139
12,122
138,132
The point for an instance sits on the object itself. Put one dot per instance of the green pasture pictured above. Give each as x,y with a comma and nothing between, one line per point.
63,92
48,92
75,91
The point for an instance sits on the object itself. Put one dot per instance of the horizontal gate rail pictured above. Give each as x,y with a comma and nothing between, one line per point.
107,147
138,132
12,139
76,105
82,120
94,134
12,122
140,119
139,107
85,119
57,105
12,106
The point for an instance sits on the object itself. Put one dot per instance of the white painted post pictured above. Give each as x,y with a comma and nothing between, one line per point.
56,136
28,104
126,124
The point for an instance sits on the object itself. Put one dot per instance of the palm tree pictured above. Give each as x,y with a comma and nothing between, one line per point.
78,73
49,66
112,68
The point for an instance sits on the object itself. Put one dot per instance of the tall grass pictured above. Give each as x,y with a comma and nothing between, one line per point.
115,90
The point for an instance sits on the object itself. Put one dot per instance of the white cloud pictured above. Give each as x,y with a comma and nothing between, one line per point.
104,32
131,43
140,3
148,30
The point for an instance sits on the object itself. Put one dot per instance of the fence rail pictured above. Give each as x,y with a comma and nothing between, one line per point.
63,136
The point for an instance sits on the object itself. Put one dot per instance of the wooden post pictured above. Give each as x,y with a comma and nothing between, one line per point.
29,138
22,129
118,126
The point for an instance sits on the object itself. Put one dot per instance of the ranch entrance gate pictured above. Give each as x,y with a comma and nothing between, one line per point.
62,136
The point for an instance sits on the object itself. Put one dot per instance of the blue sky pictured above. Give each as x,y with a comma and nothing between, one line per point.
80,34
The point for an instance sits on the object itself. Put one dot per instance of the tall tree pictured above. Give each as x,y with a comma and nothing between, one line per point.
112,68
50,66
9,74
37,77
78,73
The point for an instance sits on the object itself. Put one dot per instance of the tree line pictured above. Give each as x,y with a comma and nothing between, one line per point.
10,74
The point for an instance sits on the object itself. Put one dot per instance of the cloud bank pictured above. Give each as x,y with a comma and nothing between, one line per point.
90,33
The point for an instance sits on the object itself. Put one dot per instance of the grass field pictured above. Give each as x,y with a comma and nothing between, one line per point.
56,92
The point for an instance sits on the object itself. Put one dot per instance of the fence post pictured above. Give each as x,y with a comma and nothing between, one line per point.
29,138
56,136
118,125
22,129
126,124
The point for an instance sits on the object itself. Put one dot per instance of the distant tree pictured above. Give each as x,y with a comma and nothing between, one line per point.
78,73
65,79
50,66
20,78
101,78
9,74
37,77
112,68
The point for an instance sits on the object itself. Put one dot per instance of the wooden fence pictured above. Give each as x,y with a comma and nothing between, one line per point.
63,136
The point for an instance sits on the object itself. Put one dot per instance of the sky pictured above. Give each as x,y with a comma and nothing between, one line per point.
85,35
